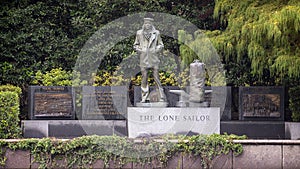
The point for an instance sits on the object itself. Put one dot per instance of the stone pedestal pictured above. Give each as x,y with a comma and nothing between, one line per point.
152,104
72,128
255,129
154,121
292,130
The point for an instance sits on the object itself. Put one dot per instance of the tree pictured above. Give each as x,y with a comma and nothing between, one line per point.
265,32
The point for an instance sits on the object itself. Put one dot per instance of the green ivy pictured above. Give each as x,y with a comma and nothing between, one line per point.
3,145
84,151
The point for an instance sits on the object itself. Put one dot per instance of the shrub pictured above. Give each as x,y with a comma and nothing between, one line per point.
11,88
294,103
9,114
106,78
56,77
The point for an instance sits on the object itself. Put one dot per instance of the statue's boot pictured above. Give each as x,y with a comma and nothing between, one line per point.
145,94
162,95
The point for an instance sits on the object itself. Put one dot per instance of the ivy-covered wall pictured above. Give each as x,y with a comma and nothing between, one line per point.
256,154
109,151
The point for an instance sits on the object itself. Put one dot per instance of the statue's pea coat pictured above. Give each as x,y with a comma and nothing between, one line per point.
149,50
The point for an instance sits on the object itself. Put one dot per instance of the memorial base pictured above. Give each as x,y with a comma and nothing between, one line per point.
152,104
255,129
202,104
154,121
73,128
292,130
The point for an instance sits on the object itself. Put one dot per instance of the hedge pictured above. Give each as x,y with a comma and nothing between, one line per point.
9,112
11,88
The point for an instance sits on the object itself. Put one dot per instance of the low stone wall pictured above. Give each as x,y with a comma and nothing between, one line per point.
268,154
258,154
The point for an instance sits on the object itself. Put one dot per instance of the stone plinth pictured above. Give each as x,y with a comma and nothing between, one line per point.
72,128
255,129
143,122
153,104
292,130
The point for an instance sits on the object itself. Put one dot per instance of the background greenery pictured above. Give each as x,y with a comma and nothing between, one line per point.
258,41
294,102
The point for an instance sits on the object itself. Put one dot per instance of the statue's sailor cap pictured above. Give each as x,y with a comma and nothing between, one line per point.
148,20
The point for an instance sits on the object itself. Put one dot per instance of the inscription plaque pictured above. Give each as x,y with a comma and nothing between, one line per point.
104,102
157,121
51,102
261,103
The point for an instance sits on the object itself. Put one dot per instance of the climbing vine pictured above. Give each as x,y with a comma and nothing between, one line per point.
84,151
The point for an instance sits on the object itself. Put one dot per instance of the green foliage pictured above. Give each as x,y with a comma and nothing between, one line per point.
266,32
38,36
166,79
294,103
56,77
84,151
3,145
11,88
9,115
34,36
106,78
198,47
43,35
60,77
207,147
